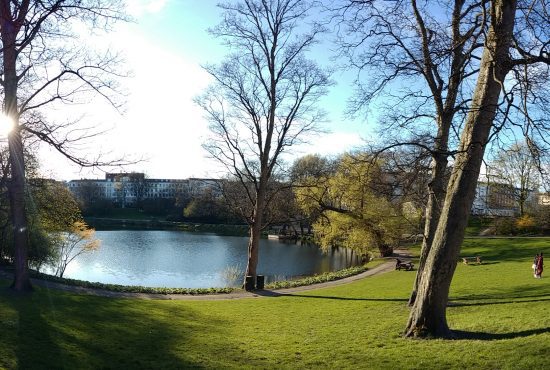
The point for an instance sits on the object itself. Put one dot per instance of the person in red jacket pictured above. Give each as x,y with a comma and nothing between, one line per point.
540,266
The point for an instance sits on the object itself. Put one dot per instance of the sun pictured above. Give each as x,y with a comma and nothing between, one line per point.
6,125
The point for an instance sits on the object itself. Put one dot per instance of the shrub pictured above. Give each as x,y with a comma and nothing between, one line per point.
315,279
525,224
505,226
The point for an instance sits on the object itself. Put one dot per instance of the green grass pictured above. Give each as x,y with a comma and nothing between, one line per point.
477,224
499,304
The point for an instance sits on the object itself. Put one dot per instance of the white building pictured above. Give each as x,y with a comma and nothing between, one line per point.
544,199
128,188
493,199
497,199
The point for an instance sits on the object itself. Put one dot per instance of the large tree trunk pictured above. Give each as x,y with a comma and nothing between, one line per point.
16,190
436,196
522,201
253,246
385,249
16,187
446,108
428,315
255,234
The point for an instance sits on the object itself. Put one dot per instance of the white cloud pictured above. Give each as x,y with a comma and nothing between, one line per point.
138,8
161,122
332,144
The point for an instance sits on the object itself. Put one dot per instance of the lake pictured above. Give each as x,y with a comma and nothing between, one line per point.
180,259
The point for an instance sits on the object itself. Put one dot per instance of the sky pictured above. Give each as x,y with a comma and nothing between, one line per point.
164,48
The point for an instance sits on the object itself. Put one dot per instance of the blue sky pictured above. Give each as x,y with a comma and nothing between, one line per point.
164,50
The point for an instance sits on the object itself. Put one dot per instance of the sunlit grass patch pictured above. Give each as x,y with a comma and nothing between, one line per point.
501,312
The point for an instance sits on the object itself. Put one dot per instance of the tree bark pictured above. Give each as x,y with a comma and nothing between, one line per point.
445,108
255,234
16,190
436,197
428,314
253,248
16,186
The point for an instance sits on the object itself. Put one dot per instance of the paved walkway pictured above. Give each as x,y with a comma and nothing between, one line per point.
380,269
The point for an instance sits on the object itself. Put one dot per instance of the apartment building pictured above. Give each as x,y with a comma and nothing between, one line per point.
129,188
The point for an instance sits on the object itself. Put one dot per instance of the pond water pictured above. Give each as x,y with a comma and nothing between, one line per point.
189,260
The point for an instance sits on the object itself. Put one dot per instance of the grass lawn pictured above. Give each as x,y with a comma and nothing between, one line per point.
503,308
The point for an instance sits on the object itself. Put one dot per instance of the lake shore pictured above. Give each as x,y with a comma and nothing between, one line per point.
108,224
384,267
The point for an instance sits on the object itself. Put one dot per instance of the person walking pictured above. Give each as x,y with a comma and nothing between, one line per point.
540,265
534,267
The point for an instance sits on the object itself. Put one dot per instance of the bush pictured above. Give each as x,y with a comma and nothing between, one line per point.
131,288
505,226
322,278
542,219
525,224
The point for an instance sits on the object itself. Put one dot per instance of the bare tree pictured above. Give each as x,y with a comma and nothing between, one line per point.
73,243
43,64
411,65
475,68
506,47
264,97
517,168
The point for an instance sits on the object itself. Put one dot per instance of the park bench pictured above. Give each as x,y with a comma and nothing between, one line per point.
403,265
468,260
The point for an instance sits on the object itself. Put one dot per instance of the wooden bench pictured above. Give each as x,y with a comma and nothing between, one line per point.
403,265
468,260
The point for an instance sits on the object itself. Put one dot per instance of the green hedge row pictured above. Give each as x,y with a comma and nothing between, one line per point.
315,279
133,288
321,278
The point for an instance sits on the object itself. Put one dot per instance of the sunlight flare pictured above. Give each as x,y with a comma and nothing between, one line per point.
6,125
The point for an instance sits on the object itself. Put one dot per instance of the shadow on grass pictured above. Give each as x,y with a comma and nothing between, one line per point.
505,249
518,300
62,330
472,335
485,263
31,332
271,293
518,292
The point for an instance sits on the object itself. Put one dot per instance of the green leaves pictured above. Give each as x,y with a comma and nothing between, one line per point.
352,202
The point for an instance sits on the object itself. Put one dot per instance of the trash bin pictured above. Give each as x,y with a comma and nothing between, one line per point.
260,282
249,283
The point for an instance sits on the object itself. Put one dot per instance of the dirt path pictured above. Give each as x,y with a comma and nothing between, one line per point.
380,269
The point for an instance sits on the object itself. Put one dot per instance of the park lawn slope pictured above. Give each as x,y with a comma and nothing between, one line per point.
501,310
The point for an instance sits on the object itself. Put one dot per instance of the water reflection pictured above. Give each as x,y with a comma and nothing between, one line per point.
180,259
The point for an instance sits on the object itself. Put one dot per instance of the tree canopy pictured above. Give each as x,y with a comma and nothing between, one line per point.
354,201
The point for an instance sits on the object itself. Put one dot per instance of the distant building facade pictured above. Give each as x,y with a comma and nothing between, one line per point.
495,199
544,199
127,189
